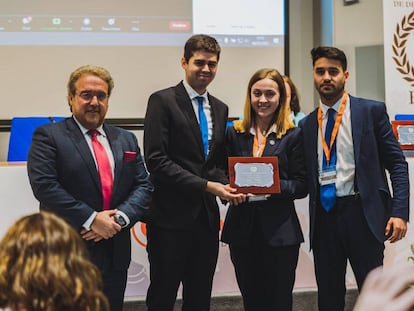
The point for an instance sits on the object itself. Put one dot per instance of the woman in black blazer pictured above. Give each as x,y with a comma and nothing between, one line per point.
264,236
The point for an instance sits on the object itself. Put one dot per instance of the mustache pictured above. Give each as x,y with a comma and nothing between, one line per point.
94,110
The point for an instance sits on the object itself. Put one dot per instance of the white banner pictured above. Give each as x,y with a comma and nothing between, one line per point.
399,56
16,200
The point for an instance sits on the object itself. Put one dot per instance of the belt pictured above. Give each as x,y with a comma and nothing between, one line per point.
350,197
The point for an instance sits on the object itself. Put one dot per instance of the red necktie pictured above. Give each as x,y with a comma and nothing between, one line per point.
104,169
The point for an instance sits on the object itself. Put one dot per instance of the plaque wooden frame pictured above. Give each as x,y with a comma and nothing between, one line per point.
398,123
275,188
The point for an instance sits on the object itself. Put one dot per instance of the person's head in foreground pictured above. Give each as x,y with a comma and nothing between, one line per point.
44,266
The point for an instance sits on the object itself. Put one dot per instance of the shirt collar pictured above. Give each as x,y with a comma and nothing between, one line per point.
85,131
334,107
271,130
193,93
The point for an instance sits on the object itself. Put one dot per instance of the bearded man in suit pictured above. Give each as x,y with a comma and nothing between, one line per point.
352,210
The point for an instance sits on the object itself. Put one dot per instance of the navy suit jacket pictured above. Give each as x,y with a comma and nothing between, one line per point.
375,151
278,219
174,156
65,180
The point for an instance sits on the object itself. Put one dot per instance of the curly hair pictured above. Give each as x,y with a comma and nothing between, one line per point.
44,266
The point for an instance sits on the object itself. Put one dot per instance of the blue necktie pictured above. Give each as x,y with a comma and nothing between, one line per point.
203,125
328,192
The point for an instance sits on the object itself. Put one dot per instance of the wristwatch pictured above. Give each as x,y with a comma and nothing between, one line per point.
120,220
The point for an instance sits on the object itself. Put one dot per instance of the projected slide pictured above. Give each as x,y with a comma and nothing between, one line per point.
138,22
245,22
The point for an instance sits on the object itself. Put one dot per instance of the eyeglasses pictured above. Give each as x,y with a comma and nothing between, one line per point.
89,95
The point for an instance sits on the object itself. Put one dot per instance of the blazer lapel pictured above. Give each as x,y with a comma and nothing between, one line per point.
357,122
311,143
272,143
217,127
246,145
82,146
186,106
117,152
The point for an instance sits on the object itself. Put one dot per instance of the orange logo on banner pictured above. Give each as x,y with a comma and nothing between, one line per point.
401,36
141,236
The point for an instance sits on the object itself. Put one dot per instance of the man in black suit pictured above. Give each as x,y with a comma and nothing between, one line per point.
64,175
187,174
352,210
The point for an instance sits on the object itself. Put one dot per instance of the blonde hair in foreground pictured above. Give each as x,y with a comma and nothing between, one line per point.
44,267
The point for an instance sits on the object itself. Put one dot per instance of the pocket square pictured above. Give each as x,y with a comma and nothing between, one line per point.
129,156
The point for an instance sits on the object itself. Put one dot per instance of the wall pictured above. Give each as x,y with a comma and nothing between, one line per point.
358,25
301,42
305,33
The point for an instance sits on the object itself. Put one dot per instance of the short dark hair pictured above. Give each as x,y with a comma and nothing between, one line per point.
203,43
329,52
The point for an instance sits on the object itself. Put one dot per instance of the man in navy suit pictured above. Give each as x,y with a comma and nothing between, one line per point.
188,173
64,175
352,221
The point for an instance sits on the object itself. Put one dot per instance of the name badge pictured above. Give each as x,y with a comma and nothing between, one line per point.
327,176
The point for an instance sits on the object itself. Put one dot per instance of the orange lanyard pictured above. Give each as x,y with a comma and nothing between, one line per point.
258,148
327,150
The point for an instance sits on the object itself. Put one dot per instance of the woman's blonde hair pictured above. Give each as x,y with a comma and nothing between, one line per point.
44,267
281,116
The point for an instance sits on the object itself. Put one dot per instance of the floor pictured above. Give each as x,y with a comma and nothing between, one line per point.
302,301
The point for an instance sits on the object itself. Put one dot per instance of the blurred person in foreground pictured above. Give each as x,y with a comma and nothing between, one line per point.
264,236
388,289
44,267
93,176
349,146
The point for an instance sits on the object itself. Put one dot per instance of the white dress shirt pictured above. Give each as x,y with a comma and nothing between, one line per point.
345,161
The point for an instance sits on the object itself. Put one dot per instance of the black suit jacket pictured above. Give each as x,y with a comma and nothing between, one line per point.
375,151
174,156
278,219
65,180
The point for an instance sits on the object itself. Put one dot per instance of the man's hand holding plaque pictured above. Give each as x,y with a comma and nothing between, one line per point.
258,176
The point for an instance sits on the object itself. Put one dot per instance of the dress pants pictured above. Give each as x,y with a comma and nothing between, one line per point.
265,274
114,279
181,256
340,235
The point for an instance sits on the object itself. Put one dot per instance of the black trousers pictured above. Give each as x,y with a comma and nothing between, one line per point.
265,274
340,235
114,288
181,256
114,279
